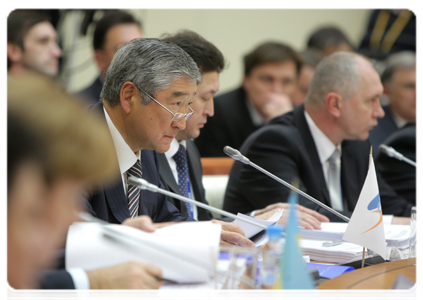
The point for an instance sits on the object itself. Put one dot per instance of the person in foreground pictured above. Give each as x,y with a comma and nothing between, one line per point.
324,143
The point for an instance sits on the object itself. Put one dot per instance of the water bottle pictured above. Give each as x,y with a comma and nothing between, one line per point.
270,258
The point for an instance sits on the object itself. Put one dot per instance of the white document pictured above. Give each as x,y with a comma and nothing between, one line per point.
340,253
90,246
396,235
250,229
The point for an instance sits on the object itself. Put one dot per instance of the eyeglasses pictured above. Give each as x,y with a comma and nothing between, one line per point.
176,116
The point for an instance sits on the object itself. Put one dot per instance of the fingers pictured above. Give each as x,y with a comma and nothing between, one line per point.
308,221
164,224
235,238
272,207
313,213
229,226
141,222
143,276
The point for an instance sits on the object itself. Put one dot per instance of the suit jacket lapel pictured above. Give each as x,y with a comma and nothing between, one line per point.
115,195
194,172
170,181
302,126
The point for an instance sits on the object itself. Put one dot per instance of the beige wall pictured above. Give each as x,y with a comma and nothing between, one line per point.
234,32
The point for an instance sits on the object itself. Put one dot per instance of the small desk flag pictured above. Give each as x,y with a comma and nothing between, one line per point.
366,224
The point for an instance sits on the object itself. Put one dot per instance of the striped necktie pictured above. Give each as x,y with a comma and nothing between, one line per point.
133,194
334,180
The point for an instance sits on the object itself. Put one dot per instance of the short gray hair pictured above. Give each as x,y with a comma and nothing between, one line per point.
338,73
151,64
399,60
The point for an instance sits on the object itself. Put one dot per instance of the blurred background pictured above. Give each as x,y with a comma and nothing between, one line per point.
234,31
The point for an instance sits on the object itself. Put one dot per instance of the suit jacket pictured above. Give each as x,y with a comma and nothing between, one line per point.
195,173
230,125
109,202
91,94
285,147
385,127
398,174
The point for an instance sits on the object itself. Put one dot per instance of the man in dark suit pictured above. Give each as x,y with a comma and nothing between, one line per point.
211,62
399,85
270,79
112,31
323,143
398,174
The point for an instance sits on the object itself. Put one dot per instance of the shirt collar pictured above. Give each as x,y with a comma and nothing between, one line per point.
255,115
126,157
400,122
174,146
324,145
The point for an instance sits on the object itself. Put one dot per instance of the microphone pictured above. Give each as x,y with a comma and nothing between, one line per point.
391,152
235,154
145,185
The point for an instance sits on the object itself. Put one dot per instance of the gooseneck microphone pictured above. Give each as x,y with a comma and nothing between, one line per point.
145,185
391,152
235,154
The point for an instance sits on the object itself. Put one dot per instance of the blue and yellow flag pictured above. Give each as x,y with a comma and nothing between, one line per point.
295,274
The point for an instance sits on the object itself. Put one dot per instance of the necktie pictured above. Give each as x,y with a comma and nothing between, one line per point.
334,180
133,194
183,176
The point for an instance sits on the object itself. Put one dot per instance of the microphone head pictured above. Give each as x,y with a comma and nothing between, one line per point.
387,150
235,154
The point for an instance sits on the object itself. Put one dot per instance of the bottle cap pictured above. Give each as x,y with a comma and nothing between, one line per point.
274,231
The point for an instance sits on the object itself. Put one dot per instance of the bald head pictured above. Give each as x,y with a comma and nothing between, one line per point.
339,72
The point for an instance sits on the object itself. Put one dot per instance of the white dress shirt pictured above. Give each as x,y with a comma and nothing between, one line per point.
325,148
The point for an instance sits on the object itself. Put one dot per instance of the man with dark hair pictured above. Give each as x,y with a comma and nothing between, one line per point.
270,77
210,61
113,30
399,85
329,39
324,143
31,44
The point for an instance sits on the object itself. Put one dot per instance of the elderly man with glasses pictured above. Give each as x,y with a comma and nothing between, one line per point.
149,86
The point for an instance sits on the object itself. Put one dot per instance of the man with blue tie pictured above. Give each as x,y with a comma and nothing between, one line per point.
180,166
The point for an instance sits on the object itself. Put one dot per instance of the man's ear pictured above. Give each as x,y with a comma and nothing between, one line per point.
100,60
128,93
334,103
14,52
245,82
386,89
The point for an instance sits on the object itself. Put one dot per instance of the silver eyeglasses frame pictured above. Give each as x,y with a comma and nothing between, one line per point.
176,116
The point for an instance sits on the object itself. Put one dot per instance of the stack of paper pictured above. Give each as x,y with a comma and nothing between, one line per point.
186,252
341,253
396,235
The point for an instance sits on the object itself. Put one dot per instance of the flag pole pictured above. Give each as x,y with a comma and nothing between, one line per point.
364,248
362,261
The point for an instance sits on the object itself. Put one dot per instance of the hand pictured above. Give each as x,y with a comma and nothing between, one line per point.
129,275
232,235
276,105
141,222
307,218
401,220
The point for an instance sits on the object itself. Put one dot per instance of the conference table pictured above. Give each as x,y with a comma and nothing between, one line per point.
380,276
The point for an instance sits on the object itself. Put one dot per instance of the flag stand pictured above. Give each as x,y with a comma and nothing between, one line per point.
362,261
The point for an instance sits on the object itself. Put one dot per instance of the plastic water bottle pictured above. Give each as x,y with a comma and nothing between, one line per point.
270,258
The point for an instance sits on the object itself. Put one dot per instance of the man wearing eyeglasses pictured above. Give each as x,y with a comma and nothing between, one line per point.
149,86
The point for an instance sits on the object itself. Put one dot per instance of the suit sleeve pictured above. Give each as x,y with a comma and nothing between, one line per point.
57,279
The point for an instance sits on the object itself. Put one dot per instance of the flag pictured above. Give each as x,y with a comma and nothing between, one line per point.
366,224
295,274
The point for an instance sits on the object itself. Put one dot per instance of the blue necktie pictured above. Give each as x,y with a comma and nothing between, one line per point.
133,194
183,176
